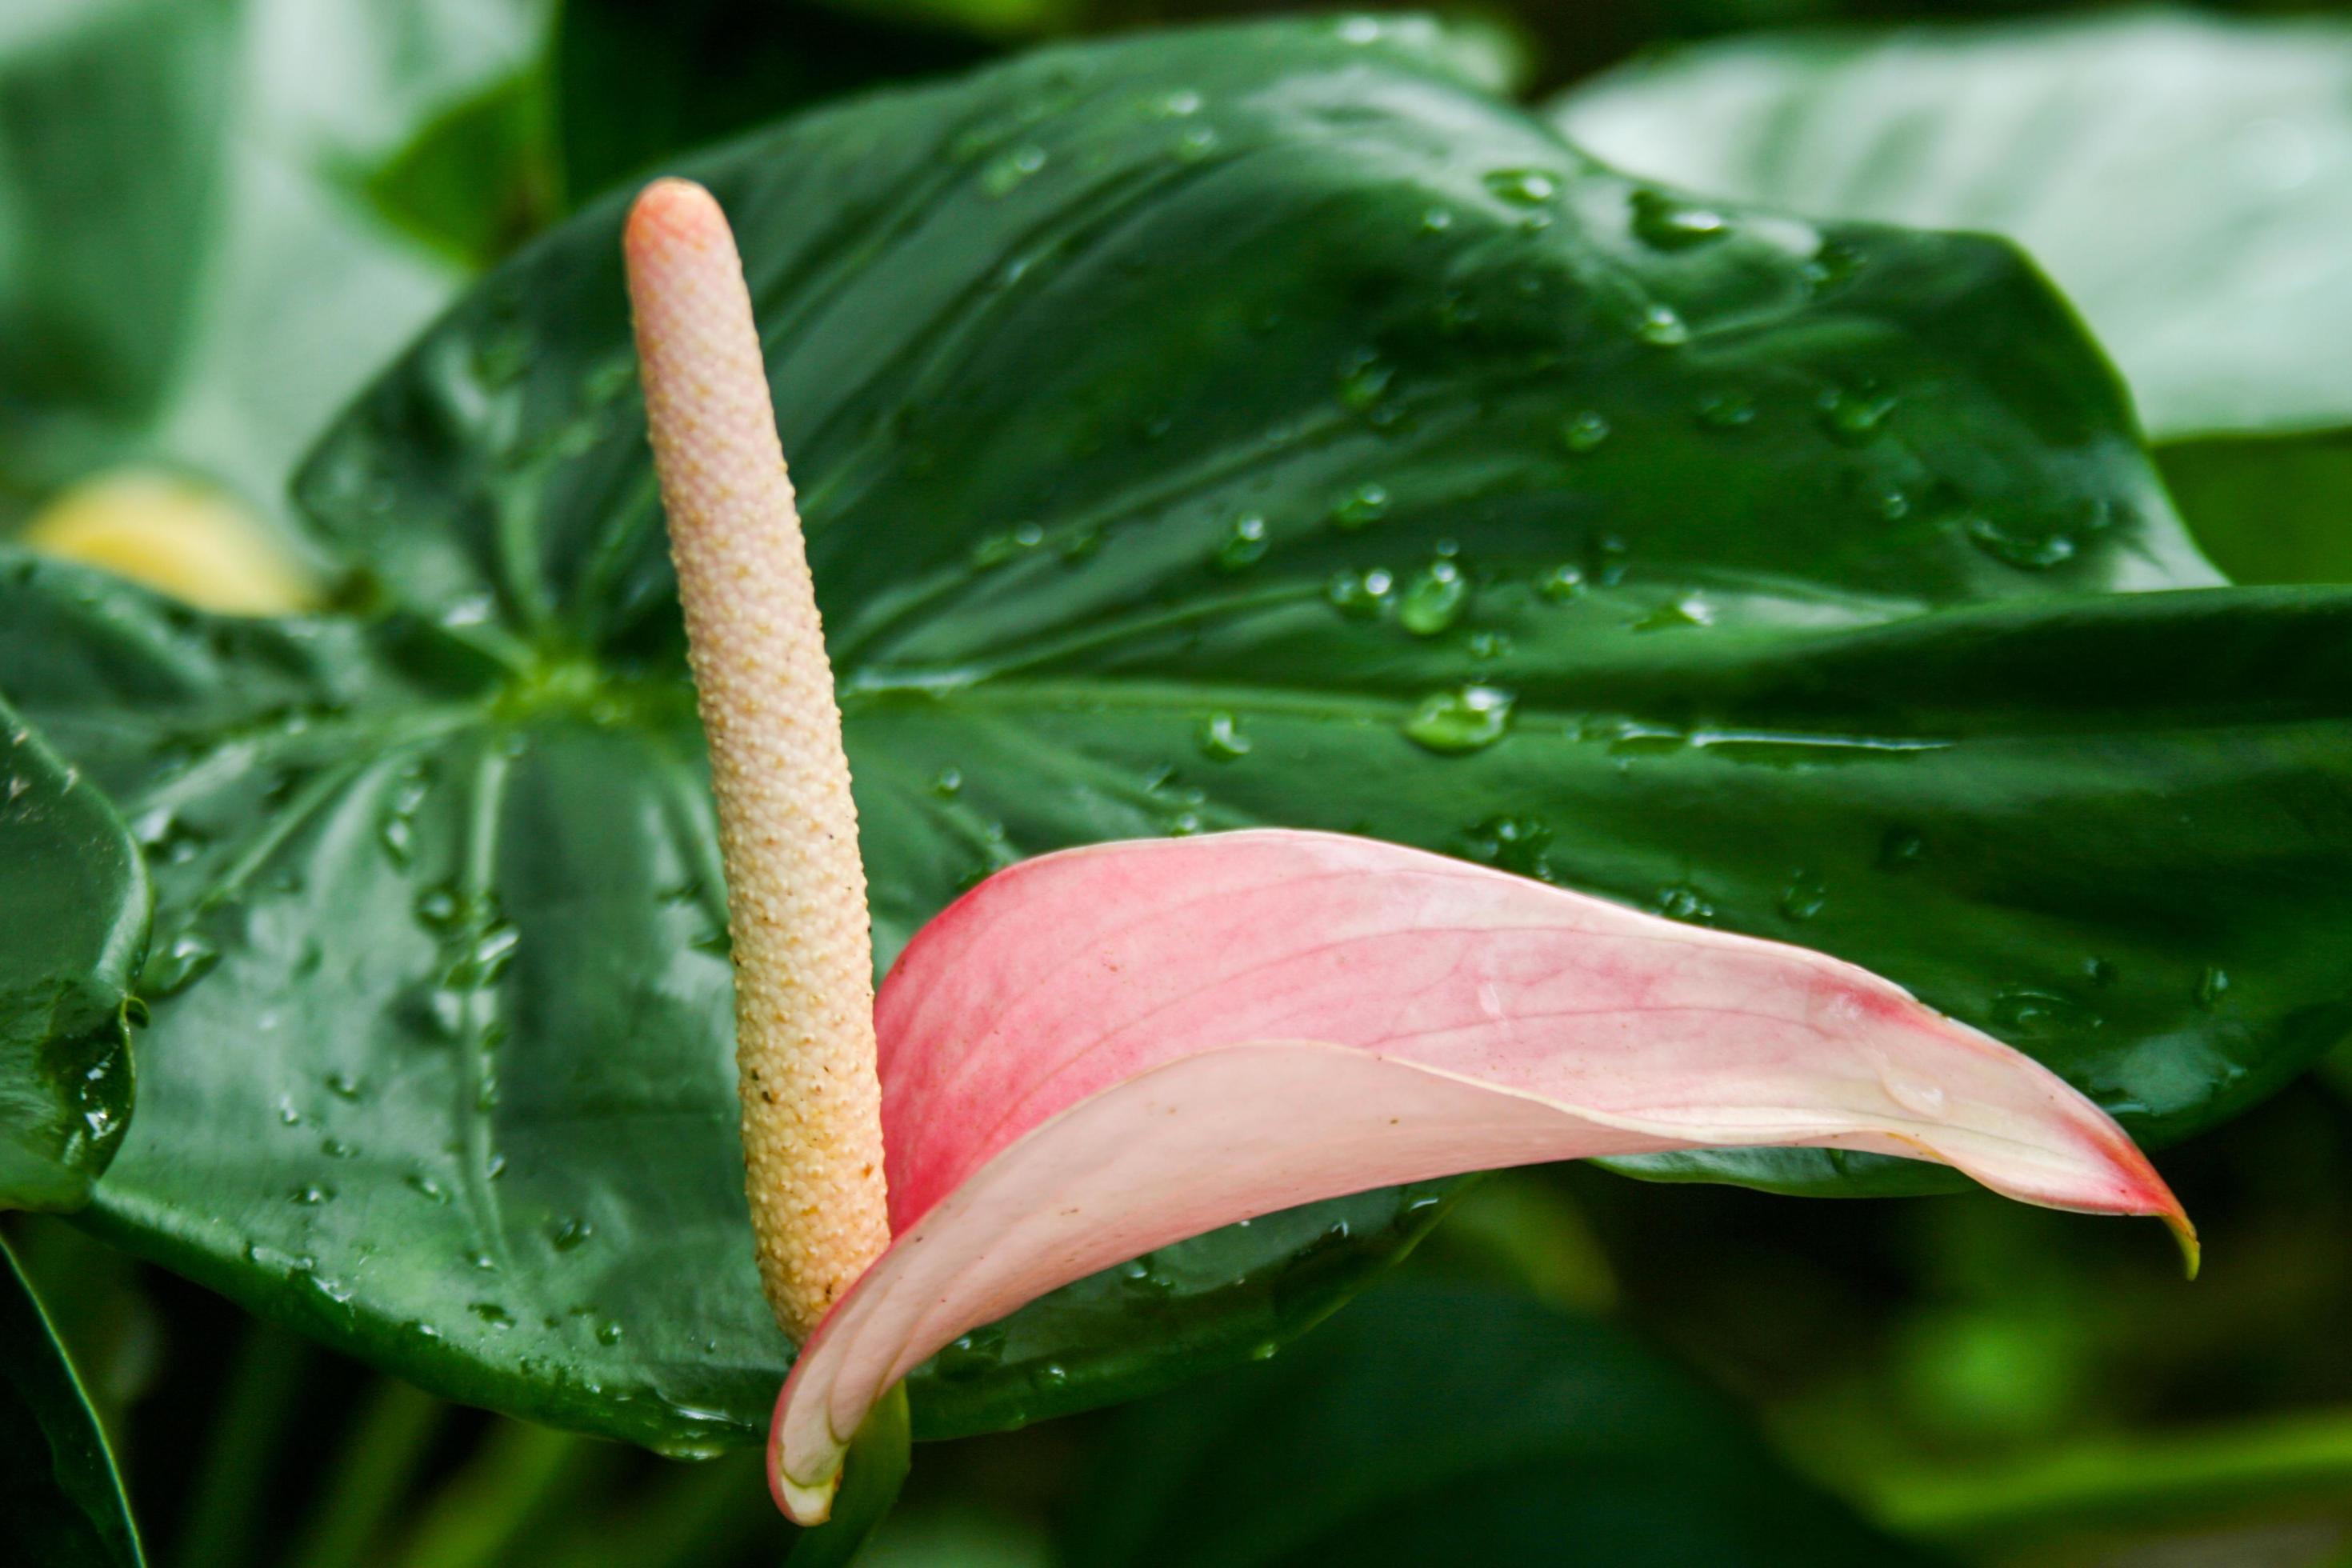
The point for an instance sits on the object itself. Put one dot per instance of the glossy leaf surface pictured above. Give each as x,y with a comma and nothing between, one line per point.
1448,1425
2186,180
1193,431
60,1500
76,897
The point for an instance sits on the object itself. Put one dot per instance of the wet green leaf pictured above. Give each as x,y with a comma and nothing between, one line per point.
76,895
1763,572
61,1502
1455,1425
2185,179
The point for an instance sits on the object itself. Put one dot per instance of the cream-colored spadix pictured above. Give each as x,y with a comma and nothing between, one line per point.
1099,1052
787,826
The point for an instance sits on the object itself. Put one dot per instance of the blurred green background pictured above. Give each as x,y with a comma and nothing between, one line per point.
1983,1383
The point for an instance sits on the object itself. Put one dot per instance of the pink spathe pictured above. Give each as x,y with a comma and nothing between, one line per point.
1099,1052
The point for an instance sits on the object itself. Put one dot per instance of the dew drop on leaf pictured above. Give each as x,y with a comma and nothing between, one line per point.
1244,545
1851,417
1802,899
1664,224
1561,583
1221,740
1457,723
1580,433
1726,411
1661,327
1361,507
1433,601
1523,188
1360,594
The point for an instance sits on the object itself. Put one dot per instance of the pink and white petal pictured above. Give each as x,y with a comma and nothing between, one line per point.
1100,1052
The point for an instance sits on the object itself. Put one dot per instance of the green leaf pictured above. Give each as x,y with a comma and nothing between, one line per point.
1457,1426
189,274
77,909
2186,180
1262,426
61,1502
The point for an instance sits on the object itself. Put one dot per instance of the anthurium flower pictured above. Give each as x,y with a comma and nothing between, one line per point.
1099,1052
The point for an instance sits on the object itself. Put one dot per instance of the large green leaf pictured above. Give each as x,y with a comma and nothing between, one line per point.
2188,181
1234,427
61,1504
1454,1425
76,893
189,270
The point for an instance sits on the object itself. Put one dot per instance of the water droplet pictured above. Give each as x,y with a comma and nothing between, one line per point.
1900,848
2211,986
397,828
1196,142
1663,223
1364,380
570,1233
1265,1350
973,1355
1661,327
342,1086
336,1149
1684,903
1052,1375
492,1313
1434,600
1244,545
1561,583
311,1196
1514,844
997,549
425,1186
1802,899
1436,220
1360,594
2030,1013
1674,614
1726,411
1580,433
1140,1276
1221,739
1005,172
1361,507
1852,417
1460,722
2029,550
608,1332
1523,188
178,965
1918,1095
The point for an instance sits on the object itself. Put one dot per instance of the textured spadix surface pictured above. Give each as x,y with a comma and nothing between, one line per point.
1102,1051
